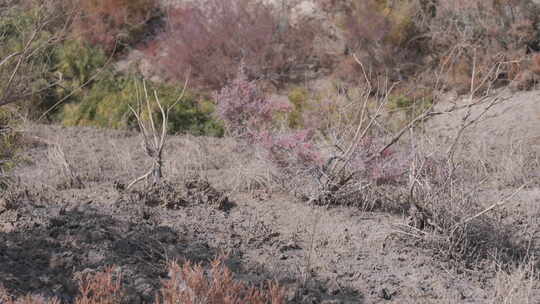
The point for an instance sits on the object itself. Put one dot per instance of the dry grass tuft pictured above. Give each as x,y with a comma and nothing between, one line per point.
100,288
188,284
517,286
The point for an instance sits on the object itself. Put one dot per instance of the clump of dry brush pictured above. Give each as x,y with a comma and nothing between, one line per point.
354,160
185,284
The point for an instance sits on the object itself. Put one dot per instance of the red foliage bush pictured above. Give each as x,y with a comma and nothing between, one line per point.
209,39
100,288
387,168
188,284
112,24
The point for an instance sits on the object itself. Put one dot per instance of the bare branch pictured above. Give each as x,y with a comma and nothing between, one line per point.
153,139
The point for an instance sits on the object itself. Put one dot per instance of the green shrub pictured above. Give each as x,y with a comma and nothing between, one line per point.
106,104
30,70
409,106
76,63
192,114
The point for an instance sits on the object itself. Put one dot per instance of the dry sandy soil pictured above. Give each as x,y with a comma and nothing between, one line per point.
68,215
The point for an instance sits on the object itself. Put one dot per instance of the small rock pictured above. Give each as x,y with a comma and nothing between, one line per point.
45,279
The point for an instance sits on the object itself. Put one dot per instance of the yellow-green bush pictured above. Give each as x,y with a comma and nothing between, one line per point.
30,69
9,140
106,105
409,106
298,97
76,63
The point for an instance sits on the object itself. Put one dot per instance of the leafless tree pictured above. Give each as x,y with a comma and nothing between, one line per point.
154,137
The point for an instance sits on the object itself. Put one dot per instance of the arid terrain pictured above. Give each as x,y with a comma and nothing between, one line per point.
269,151
67,215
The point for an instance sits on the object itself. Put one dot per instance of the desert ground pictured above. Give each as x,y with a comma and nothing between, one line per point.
67,214
322,151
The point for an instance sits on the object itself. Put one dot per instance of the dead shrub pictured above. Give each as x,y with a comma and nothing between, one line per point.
468,45
474,38
516,286
448,212
452,219
210,39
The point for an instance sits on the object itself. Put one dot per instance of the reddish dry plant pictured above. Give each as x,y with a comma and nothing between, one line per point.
188,284
477,43
100,288
111,24
209,40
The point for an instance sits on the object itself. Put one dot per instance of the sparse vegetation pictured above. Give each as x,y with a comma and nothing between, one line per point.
186,284
397,122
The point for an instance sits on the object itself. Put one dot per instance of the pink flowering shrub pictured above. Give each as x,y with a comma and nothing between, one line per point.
248,114
243,108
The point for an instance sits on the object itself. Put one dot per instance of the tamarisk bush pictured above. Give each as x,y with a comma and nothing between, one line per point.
210,38
348,161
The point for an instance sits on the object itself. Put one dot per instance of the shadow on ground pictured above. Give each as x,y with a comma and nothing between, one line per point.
45,247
